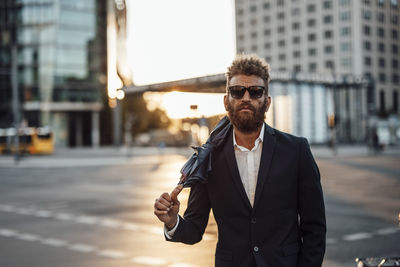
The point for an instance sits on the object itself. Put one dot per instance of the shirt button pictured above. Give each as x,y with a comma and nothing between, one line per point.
255,249
253,220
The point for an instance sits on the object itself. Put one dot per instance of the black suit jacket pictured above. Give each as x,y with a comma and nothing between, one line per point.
285,227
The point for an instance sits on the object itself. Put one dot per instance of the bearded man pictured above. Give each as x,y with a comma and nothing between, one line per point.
264,186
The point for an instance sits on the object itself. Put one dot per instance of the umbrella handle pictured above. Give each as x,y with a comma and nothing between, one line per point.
182,179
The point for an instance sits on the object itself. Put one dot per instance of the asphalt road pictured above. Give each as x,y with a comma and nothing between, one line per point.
83,208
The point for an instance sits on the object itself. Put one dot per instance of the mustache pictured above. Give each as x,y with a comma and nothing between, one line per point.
246,106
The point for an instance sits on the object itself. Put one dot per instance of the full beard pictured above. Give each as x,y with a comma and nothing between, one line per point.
247,122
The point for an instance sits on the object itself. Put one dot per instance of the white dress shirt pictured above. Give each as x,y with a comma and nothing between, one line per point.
248,162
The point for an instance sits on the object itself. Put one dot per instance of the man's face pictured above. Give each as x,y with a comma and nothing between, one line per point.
247,114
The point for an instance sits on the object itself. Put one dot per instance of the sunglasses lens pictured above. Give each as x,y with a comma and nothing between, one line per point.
237,91
256,93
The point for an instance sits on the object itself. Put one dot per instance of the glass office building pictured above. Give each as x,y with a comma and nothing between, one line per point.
62,66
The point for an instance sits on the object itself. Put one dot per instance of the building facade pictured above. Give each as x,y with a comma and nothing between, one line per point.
62,66
337,37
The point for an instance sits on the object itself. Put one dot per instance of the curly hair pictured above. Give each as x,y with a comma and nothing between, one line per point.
249,65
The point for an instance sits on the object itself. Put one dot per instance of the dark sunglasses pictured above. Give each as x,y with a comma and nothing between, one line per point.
238,91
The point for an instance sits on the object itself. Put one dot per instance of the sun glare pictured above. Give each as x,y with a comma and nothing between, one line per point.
179,105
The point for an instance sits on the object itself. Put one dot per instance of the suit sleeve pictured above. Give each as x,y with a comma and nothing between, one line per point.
311,210
191,227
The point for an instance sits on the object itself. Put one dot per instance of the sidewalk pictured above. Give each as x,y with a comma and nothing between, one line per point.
125,155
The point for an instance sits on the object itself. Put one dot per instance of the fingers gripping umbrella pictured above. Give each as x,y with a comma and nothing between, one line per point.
198,166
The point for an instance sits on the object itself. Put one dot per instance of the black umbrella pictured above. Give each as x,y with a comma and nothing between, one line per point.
198,166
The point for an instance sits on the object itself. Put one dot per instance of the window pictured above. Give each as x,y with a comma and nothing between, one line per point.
328,19
267,19
281,15
367,2
240,25
297,68
267,45
395,101
395,63
241,37
295,25
381,32
380,17
295,11
367,45
281,43
254,48
345,47
345,2
395,19
240,11
267,32
382,77
395,49
345,31
296,54
253,9
328,4
281,29
395,3
311,8
311,22
367,14
367,61
296,39
345,16
281,3
395,78
367,30
253,22
328,49
253,35
282,57
382,101
266,5
381,3
268,59
395,34
381,47
328,34
346,62
329,64
381,62
312,52
312,67
312,37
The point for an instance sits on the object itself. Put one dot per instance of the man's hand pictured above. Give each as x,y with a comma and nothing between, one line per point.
166,207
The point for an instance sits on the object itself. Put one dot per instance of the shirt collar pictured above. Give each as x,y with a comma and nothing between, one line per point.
259,140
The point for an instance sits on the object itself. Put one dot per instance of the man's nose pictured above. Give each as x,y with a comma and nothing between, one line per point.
246,96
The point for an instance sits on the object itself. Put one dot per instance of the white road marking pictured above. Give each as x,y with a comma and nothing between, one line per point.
87,220
82,248
114,254
54,242
149,260
64,216
24,211
110,223
28,237
43,213
7,208
130,226
7,232
387,231
357,236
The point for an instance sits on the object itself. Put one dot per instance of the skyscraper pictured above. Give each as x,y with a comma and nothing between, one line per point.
338,37
62,65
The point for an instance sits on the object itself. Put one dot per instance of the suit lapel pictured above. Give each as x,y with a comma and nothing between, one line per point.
265,162
233,168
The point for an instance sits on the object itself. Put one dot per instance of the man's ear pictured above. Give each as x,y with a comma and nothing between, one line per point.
226,102
268,102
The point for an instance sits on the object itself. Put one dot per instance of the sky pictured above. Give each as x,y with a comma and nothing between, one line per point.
177,39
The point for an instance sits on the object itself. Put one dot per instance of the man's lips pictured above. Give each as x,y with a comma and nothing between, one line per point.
246,108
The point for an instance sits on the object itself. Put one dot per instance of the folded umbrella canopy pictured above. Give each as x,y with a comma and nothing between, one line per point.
198,166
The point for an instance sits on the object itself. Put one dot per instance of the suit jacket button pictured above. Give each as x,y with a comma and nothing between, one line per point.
255,249
253,220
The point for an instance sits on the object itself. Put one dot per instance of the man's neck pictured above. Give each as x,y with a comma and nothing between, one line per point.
246,140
